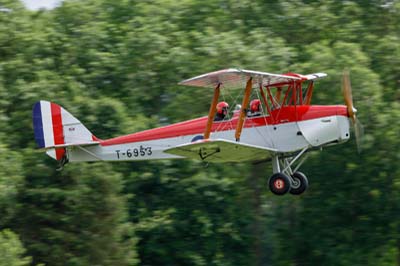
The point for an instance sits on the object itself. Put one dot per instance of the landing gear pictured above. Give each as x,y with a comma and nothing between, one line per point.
64,160
285,179
279,184
299,183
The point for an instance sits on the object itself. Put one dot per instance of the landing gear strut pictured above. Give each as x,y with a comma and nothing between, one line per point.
288,180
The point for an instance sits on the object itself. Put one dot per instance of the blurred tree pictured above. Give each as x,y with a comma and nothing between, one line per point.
76,217
187,215
12,250
115,65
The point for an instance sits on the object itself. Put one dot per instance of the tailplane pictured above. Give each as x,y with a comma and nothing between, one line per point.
56,129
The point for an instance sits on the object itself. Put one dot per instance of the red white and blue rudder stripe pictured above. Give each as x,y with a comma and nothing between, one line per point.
48,127
54,126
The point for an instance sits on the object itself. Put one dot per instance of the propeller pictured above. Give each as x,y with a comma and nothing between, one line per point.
348,99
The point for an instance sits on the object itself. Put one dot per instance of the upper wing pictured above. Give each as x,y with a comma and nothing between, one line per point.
221,151
236,78
315,76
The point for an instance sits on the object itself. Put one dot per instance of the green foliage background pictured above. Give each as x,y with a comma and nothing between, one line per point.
115,65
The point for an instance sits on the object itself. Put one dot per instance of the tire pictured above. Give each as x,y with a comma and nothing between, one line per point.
300,183
279,184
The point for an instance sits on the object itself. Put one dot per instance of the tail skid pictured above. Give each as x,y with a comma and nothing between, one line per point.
56,129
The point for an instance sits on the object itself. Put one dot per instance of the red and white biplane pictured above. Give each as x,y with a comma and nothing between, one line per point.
281,125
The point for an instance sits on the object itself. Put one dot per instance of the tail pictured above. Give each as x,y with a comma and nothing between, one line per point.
56,129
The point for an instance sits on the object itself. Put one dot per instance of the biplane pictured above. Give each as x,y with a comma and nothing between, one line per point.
275,122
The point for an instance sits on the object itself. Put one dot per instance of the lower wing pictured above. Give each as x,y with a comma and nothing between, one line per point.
219,150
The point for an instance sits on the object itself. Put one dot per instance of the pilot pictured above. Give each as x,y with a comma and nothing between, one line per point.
255,108
222,111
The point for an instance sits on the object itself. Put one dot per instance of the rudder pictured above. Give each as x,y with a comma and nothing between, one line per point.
55,128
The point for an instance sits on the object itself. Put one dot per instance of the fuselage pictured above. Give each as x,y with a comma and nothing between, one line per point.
287,129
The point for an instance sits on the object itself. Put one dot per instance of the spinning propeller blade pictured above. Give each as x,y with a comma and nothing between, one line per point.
348,99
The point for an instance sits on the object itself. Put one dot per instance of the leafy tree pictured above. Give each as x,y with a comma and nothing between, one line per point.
115,65
76,217
11,250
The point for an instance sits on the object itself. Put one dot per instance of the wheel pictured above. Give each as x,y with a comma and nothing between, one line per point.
299,183
279,183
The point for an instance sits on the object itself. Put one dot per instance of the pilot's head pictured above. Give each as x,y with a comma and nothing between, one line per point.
255,106
222,108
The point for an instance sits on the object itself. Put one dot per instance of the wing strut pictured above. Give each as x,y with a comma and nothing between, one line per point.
309,93
265,101
245,103
211,113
